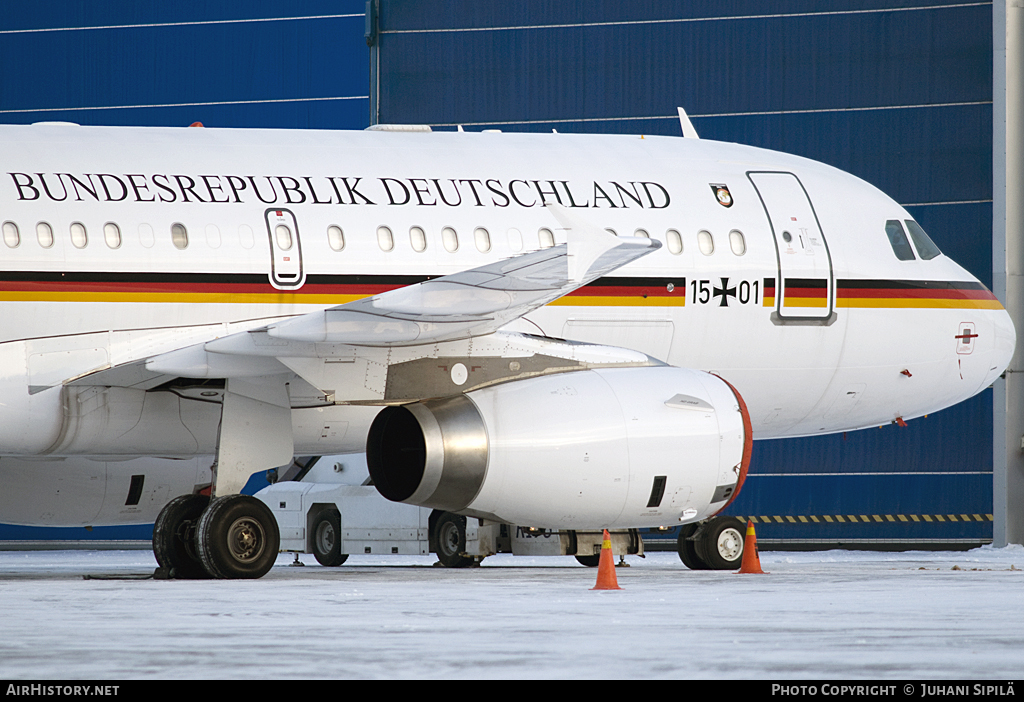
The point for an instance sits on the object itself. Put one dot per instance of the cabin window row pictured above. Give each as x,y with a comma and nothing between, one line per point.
79,235
179,235
545,239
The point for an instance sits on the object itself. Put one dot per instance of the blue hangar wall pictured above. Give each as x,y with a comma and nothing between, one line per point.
258,63
898,92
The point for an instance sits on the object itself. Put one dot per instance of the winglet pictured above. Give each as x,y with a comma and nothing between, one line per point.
684,122
587,242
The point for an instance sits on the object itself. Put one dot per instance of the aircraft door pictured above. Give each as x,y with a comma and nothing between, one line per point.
806,286
286,272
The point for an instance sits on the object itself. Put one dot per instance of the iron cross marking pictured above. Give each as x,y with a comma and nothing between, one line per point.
725,292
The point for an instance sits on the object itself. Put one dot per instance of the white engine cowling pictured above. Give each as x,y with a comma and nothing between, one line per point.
630,447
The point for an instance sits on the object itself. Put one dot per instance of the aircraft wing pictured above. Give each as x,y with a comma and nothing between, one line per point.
468,304
473,302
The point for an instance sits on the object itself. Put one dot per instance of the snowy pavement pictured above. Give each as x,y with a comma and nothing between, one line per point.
831,614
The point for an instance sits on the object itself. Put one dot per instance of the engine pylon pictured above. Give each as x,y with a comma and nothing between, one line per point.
606,579
751,562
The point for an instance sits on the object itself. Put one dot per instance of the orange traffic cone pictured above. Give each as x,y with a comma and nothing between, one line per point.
751,563
606,579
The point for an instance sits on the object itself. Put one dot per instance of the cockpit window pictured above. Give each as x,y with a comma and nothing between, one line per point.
898,240
926,248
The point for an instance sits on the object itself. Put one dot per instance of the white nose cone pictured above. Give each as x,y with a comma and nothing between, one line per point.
1003,346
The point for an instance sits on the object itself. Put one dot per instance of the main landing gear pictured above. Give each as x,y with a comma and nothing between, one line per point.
234,536
716,544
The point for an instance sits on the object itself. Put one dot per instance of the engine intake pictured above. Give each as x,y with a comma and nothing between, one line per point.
432,454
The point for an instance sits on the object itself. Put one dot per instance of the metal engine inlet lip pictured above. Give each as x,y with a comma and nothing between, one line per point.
454,459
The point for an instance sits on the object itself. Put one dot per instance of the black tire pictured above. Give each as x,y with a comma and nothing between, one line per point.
721,543
237,537
174,543
589,561
450,537
687,549
327,538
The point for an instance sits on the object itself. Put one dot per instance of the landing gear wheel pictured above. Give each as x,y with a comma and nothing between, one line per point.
327,538
450,533
589,561
237,537
688,549
174,537
721,543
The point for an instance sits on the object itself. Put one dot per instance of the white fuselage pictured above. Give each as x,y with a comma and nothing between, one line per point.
824,332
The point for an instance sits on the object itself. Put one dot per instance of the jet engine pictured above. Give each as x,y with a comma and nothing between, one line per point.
629,447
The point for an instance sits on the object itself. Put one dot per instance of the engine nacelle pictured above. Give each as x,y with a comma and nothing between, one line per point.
628,447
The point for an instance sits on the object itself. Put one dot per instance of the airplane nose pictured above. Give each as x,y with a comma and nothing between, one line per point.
1005,342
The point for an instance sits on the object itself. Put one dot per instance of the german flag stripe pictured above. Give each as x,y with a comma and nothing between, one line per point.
914,293
72,286
802,292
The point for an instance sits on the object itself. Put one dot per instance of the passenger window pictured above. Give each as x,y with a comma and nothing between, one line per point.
926,248
79,237
385,239
44,234
179,235
737,243
898,240
482,239
283,234
112,235
705,242
450,239
642,233
418,239
675,242
335,237
547,238
12,237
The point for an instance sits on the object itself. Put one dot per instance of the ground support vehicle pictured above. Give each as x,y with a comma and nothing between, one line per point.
333,521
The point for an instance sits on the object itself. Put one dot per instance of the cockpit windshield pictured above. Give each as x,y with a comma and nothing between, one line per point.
926,248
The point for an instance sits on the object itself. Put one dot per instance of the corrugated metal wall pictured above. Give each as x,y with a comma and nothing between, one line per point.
898,92
263,63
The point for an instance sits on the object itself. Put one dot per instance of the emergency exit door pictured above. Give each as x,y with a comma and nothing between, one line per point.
285,250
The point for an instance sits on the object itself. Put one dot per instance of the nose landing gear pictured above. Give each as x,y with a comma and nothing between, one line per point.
716,544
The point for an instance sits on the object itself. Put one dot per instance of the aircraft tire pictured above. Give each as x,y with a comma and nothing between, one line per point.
687,549
327,538
450,535
721,543
174,537
589,561
237,538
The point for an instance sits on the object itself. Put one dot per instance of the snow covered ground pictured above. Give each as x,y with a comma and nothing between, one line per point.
832,614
